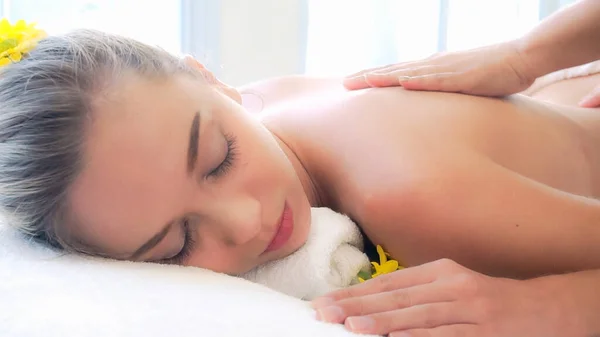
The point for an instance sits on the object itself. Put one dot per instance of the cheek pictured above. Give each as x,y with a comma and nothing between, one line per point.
215,256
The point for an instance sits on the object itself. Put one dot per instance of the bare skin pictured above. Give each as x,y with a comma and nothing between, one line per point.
488,183
443,298
419,170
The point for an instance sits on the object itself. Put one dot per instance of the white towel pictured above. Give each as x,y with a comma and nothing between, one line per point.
563,74
329,260
44,293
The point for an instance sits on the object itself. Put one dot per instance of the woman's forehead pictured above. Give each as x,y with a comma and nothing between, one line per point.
133,166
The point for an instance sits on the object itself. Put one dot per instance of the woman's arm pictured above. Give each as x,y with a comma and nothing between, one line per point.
540,228
568,38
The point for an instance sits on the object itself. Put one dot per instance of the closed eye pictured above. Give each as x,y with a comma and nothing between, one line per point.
229,159
189,243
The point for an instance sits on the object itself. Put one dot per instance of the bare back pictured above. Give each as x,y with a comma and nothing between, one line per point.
409,166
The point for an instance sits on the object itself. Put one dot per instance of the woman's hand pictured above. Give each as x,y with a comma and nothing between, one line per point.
495,70
444,299
592,100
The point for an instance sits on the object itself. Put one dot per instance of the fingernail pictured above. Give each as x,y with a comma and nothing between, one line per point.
330,314
321,302
360,324
403,78
585,100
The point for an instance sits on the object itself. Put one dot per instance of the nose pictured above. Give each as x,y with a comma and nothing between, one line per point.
237,219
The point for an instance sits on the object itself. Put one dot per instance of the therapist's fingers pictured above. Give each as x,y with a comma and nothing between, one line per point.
430,77
358,82
450,82
387,68
405,278
592,100
433,292
389,76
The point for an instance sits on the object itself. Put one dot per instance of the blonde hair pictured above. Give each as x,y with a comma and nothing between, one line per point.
45,100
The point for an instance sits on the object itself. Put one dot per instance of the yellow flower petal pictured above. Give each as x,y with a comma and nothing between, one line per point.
17,40
4,26
390,266
4,61
21,25
15,57
382,255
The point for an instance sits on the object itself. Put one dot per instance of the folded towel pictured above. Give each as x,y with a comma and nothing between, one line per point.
563,74
330,259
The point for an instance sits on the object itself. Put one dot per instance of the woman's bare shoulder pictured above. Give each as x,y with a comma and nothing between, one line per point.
280,89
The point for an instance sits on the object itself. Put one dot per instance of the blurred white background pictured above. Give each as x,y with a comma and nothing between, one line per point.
248,40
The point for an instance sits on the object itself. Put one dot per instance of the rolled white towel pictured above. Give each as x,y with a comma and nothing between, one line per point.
330,259
563,74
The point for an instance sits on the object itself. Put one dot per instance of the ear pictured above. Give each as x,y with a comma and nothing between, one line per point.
212,79
192,62
195,64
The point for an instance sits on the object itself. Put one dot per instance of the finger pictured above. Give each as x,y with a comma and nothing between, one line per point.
454,330
359,80
397,280
379,80
400,279
592,100
386,68
355,83
424,316
448,81
386,301
401,76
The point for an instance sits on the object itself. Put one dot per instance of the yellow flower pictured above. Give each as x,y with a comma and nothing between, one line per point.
17,40
385,265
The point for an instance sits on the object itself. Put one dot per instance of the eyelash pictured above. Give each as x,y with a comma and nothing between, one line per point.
227,163
188,240
189,243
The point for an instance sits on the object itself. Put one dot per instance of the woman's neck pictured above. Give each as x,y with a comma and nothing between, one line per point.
312,187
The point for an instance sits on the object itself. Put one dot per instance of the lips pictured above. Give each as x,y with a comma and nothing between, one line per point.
285,228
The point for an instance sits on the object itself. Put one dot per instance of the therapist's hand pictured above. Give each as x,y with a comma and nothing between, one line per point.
495,70
444,299
592,100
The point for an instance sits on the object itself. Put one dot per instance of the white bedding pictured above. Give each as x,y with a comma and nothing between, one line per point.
45,294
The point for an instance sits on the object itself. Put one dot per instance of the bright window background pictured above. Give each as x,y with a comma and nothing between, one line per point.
379,32
248,40
154,22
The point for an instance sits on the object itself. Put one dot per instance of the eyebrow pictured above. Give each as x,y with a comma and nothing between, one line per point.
153,242
192,154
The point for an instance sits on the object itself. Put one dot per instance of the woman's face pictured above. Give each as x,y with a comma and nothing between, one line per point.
176,171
